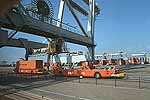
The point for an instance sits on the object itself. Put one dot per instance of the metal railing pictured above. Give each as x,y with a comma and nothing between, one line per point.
54,22
130,81
141,82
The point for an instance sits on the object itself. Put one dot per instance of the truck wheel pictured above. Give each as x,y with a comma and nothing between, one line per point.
97,75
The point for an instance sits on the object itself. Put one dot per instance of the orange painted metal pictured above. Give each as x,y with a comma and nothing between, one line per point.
134,60
84,71
31,66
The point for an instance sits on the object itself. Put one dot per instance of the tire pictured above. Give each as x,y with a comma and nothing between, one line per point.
97,75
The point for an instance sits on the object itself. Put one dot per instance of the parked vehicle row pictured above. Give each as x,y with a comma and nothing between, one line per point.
83,70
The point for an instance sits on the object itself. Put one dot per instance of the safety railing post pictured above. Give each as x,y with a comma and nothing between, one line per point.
115,82
79,79
55,77
139,82
38,76
31,74
96,80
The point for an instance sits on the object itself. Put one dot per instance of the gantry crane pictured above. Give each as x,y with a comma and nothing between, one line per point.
40,22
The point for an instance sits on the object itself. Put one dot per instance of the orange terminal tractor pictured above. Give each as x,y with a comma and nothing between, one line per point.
85,71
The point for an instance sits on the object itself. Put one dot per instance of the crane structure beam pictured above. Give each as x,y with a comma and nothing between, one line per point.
36,27
17,43
60,13
75,16
91,27
97,9
78,8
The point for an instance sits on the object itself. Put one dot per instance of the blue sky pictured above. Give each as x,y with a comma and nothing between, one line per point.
123,25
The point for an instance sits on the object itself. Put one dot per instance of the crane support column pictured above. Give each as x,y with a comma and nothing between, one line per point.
60,13
90,27
59,24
